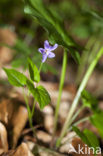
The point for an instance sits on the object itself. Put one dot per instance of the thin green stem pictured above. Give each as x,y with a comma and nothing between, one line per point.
33,109
27,104
64,65
78,122
40,67
75,124
77,97
93,52
77,113
29,112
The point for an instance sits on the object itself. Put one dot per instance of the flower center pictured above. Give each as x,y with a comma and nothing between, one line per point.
46,51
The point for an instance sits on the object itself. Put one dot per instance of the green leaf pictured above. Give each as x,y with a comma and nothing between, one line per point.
31,87
53,25
97,121
81,135
40,94
33,71
89,101
15,78
43,96
92,138
88,137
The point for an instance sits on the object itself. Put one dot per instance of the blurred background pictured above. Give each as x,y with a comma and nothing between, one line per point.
21,36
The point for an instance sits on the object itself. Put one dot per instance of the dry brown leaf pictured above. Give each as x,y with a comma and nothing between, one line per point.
3,139
44,137
66,141
22,150
6,110
15,116
49,123
19,120
8,37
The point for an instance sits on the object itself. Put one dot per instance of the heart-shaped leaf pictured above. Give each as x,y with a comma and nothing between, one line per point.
40,94
15,78
33,71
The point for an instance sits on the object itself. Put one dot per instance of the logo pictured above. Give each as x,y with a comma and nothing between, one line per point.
84,150
72,149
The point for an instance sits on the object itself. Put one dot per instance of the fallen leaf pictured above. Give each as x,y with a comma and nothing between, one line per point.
3,139
44,137
7,37
6,110
18,121
49,123
22,150
12,111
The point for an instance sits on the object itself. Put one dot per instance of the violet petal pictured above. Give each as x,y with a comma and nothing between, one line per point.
51,55
46,45
53,47
41,50
44,57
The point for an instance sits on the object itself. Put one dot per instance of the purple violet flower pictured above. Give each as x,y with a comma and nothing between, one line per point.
47,51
